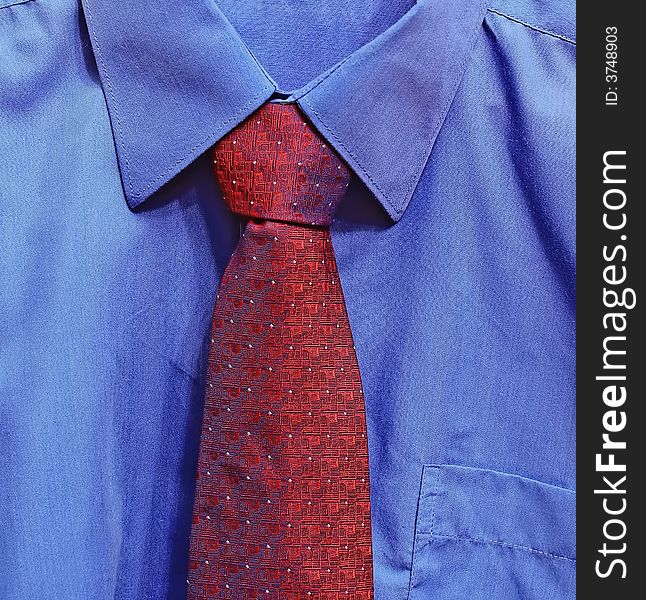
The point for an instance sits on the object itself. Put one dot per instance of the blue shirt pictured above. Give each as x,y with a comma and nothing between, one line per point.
455,247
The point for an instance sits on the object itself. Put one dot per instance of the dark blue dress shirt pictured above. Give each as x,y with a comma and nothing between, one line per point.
455,247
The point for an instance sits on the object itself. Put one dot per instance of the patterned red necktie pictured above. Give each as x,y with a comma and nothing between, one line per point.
282,506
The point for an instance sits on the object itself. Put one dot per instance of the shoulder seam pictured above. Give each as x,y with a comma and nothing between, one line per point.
534,27
10,3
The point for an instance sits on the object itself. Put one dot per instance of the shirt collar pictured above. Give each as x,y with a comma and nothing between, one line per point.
177,79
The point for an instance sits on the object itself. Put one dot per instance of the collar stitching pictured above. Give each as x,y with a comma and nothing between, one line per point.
321,78
358,164
114,101
442,114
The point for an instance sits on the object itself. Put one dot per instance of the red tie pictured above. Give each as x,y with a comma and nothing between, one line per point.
282,507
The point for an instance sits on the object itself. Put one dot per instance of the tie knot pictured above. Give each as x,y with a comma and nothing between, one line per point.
275,166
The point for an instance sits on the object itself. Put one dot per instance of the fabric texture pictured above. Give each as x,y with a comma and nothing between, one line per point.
282,506
455,246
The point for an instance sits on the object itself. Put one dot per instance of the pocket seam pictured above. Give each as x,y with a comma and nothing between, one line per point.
430,489
432,485
432,533
497,542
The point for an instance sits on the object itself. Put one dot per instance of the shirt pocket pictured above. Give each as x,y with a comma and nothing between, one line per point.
491,535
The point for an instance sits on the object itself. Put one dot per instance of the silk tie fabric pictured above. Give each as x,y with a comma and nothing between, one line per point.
282,507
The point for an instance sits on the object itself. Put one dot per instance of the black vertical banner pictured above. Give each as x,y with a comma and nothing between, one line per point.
611,342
